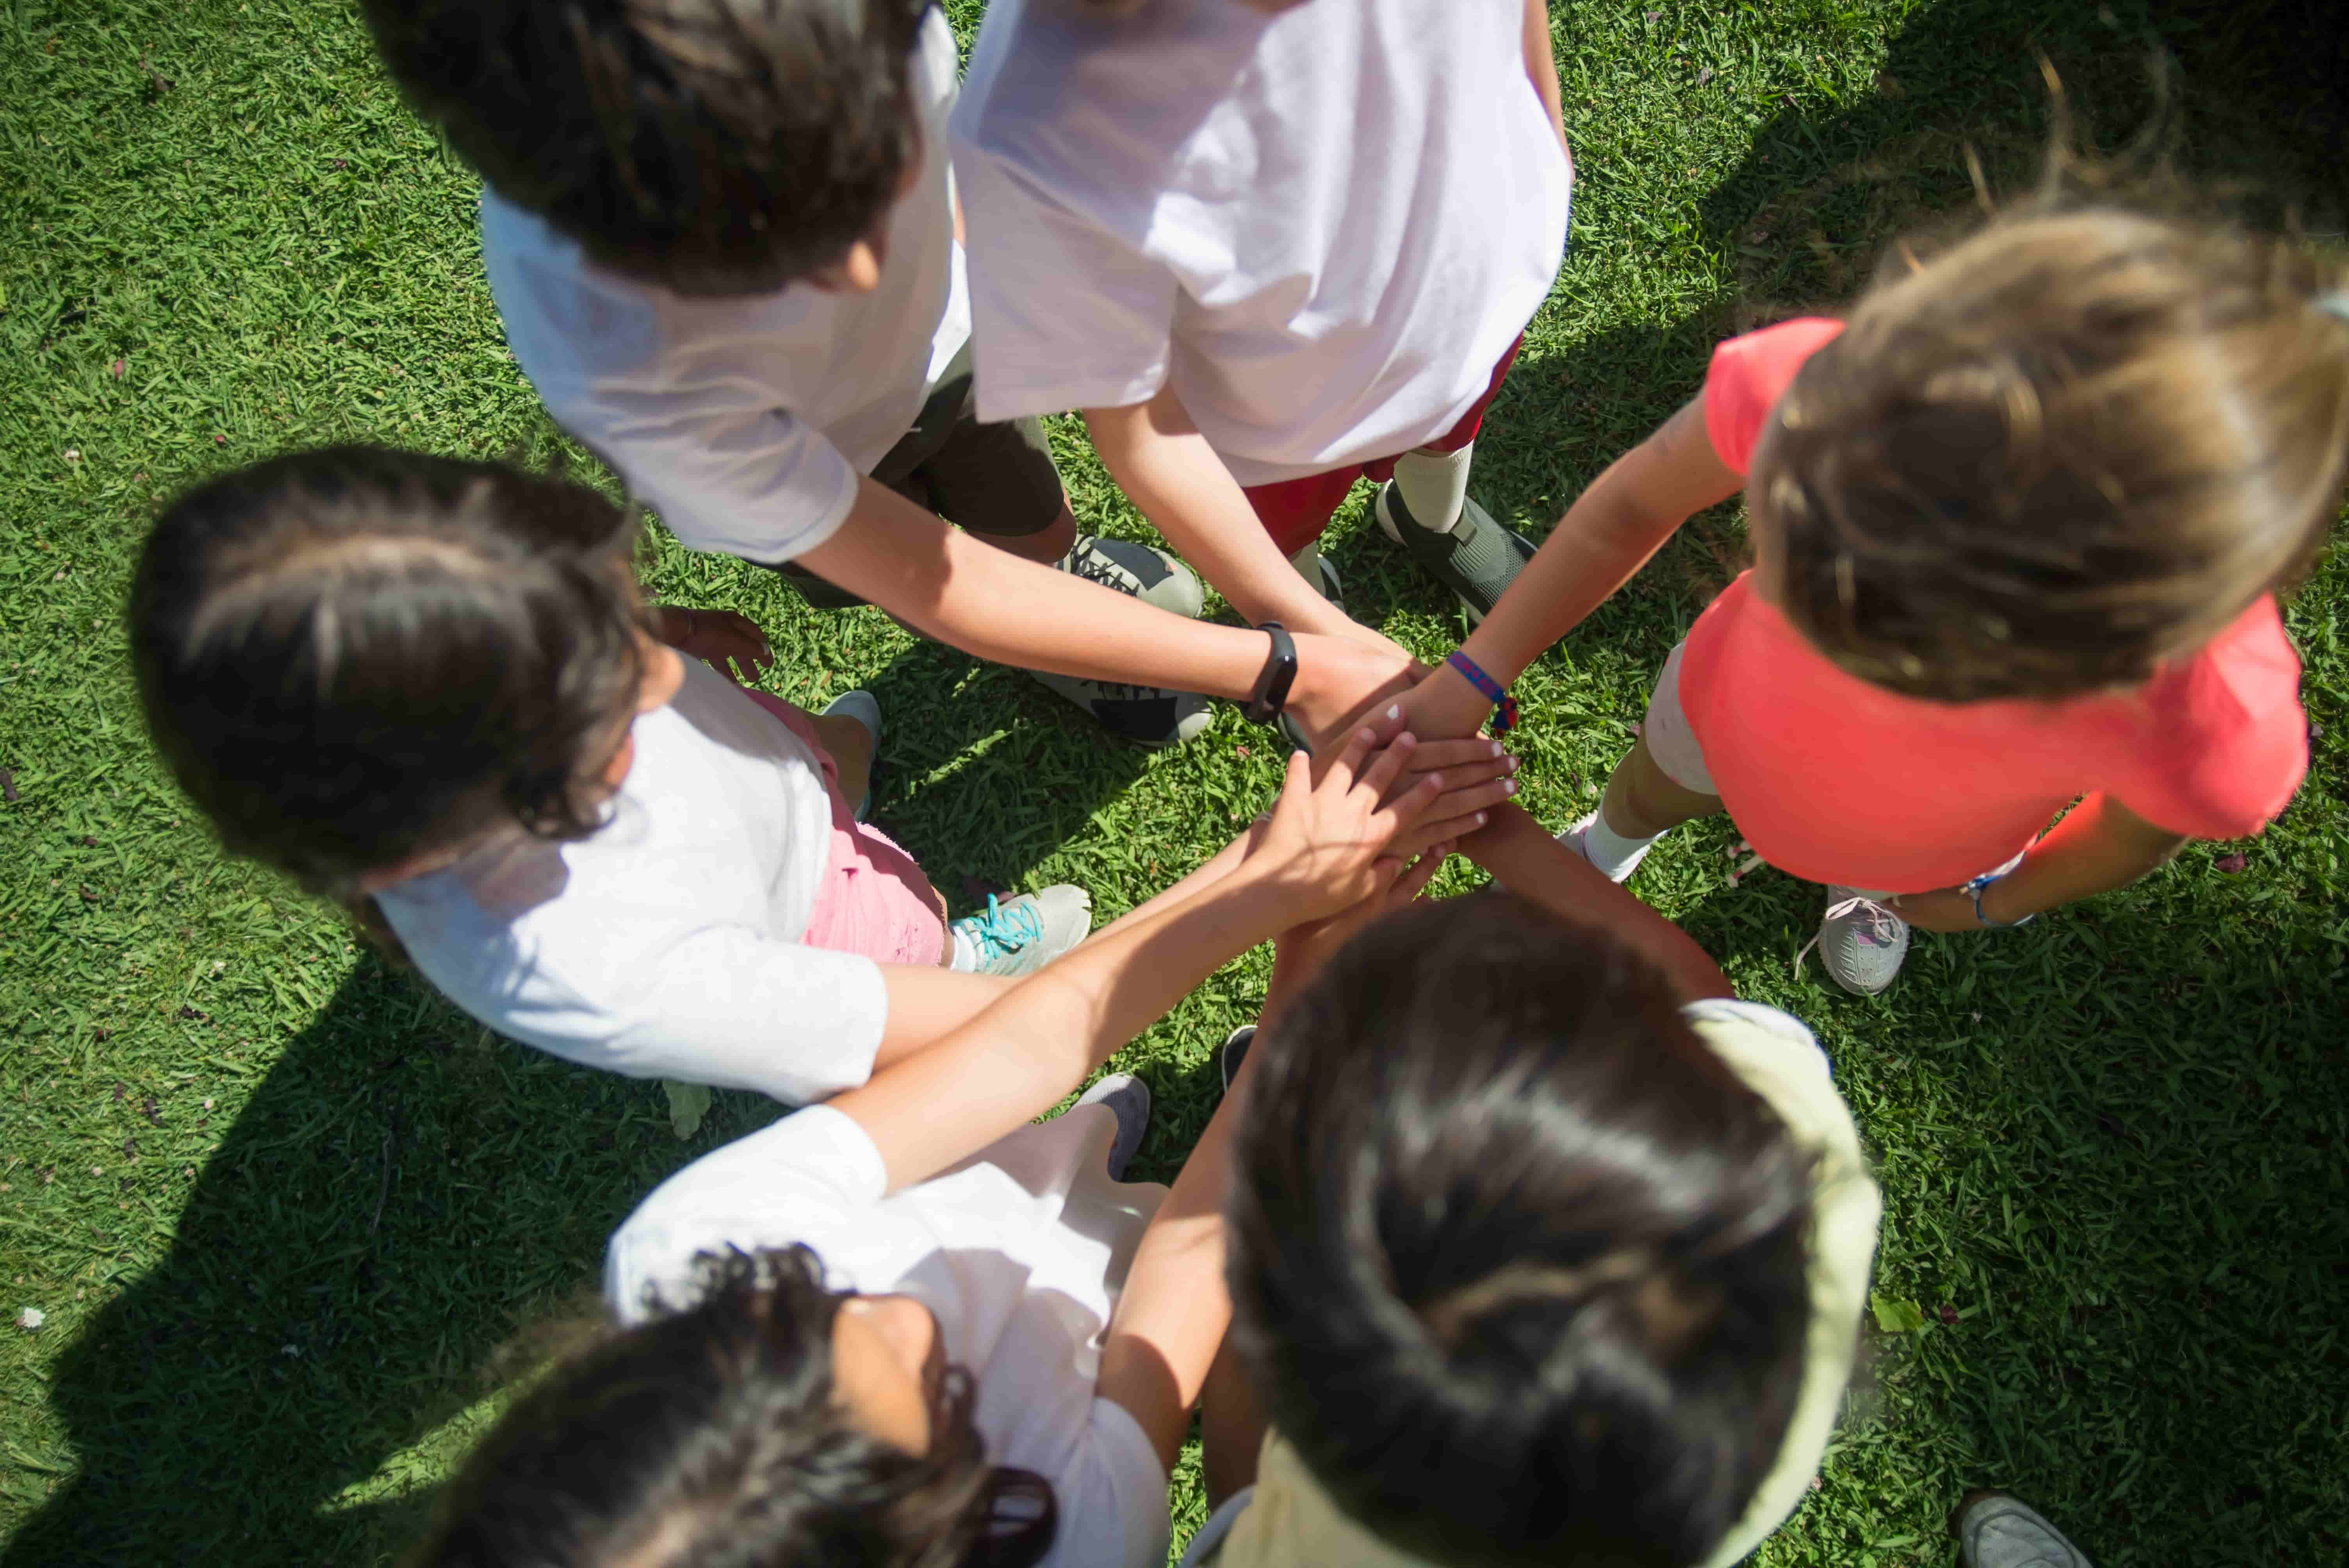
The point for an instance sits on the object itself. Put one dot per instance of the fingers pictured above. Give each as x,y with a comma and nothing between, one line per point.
1347,765
1460,800
1467,751
1419,874
1421,837
1388,765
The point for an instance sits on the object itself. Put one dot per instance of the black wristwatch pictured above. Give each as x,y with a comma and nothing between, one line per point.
1280,675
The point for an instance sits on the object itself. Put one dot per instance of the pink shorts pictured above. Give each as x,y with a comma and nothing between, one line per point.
874,899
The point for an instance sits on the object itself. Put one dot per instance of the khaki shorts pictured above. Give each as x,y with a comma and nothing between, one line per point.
1666,730
990,479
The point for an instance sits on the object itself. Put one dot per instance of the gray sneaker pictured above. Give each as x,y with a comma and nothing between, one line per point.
1147,716
1128,1099
1021,935
1861,942
1153,576
1993,1531
1477,559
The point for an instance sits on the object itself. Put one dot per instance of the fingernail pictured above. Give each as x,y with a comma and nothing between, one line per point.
1364,734
1509,787
1480,818
1395,710
1406,738
1512,765
1497,749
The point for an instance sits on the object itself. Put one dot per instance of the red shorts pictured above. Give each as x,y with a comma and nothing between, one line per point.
1295,511
874,899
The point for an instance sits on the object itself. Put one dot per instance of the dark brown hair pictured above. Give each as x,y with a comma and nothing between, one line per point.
353,657
711,1435
715,147
1517,1262
2074,444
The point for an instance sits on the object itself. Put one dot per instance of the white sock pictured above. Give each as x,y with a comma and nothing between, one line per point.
1434,486
1615,854
965,957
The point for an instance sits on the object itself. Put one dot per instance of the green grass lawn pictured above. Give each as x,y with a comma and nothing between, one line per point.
280,1204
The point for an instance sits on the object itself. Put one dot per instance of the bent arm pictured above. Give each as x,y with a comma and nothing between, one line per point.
1175,1310
2098,846
953,588
1520,852
1166,468
1541,67
1606,536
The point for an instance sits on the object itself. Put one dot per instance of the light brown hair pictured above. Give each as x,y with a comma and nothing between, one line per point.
2076,444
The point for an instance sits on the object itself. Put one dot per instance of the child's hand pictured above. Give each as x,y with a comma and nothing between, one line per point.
729,643
1300,951
1341,678
1443,705
1330,844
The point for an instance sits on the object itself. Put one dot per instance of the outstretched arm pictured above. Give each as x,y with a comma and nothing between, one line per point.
1520,852
1164,465
1175,1311
951,587
1607,535
1326,846
2098,846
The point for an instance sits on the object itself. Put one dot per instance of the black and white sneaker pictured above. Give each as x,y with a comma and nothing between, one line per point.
1153,576
1147,716
1235,1052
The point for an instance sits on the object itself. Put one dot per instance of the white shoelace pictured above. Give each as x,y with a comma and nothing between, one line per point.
1883,924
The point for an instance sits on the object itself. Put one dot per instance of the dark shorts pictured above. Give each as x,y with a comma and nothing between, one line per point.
990,479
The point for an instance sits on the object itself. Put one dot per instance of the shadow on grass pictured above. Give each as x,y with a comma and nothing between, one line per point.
400,1195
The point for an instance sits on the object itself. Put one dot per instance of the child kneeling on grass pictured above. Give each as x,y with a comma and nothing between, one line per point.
1544,1248
2018,524
426,689
909,1326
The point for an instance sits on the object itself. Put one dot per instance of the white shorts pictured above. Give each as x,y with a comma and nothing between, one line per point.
1666,730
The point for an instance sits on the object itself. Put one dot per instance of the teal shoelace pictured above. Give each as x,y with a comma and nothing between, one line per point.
1001,932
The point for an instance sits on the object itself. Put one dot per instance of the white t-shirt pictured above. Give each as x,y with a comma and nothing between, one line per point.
666,945
744,421
1019,1250
1323,227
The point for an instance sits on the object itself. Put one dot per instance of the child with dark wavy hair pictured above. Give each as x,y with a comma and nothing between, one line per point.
2019,521
1544,1249
427,688
725,249
910,1328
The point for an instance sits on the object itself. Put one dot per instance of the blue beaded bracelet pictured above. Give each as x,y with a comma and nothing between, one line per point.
1505,706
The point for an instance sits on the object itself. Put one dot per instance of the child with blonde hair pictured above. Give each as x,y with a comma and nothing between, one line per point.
2019,521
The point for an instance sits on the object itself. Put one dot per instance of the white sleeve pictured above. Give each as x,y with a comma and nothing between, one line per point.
1064,314
1111,1498
723,1005
805,1172
750,481
703,444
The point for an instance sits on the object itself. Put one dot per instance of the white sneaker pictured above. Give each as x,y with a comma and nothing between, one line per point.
1861,942
1577,839
1994,1530
1019,935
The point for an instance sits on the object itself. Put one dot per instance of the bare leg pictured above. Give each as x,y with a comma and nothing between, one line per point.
1044,547
1231,1427
1642,801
